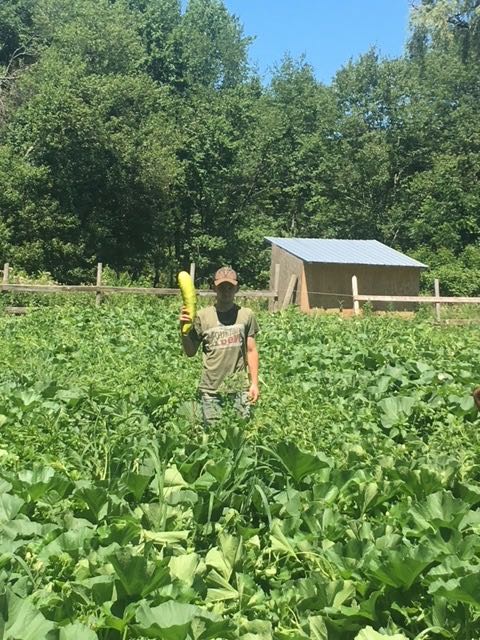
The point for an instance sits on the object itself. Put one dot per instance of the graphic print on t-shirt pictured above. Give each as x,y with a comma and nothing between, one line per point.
225,336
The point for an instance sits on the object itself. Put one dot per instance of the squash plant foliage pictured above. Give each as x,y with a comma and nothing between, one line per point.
347,509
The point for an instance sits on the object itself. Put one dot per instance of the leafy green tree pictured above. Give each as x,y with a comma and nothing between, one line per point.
449,24
159,25
215,47
210,200
140,137
102,34
15,28
36,233
294,124
204,46
91,134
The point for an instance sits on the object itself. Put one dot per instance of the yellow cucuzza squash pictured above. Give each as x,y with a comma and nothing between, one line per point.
189,297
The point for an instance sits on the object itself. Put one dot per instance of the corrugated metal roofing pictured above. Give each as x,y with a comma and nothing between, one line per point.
345,252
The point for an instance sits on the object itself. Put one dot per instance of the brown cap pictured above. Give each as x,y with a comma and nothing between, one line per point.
226,274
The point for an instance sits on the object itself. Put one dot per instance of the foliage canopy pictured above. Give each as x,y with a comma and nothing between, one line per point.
136,134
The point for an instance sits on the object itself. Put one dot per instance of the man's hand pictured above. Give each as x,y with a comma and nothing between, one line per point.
184,317
189,346
253,393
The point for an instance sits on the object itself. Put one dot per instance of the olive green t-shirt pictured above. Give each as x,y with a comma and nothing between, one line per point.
223,336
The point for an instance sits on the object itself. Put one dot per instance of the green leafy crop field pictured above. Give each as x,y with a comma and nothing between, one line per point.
348,508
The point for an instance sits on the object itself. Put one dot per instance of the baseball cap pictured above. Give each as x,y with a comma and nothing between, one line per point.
226,274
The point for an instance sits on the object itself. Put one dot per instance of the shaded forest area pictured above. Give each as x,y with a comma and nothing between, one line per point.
134,133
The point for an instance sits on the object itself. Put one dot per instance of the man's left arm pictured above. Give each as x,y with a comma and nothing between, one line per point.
252,362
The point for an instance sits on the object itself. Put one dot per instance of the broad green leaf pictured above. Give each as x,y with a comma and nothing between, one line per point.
101,587
279,541
470,493
175,488
219,469
466,589
370,634
317,593
422,482
165,537
37,476
221,589
339,591
173,479
96,499
122,530
251,594
440,509
40,480
70,396
318,628
169,621
183,567
5,487
208,630
225,558
22,527
461,405
77,631
9,506
137,575
351,617
255,630
470,521
370,491
24,621
28,397
299,463
451,567
137,483
154,513
72,542
396,408
401,568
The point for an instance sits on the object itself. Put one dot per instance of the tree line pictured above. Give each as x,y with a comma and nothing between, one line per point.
135,133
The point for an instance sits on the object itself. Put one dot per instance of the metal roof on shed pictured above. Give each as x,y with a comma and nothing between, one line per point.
332,251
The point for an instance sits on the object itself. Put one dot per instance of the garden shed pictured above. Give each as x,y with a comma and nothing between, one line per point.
317,273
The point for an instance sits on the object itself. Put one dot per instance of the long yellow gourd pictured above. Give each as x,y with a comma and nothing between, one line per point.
189,296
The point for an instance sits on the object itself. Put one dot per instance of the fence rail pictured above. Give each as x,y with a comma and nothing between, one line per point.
437,299
150,291
101,290
425,299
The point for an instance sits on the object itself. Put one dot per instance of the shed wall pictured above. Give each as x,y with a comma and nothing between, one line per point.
288,265
330,285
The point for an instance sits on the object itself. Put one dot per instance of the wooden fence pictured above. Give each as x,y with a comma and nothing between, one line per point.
437,299
100,290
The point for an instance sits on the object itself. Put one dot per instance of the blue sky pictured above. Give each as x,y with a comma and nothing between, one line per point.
328,32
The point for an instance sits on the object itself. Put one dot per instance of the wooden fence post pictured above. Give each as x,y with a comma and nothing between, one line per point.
437,295
192,271
6,269
99,297
273,303
356,303
289,292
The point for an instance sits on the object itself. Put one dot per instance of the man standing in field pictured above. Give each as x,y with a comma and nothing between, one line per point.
230,357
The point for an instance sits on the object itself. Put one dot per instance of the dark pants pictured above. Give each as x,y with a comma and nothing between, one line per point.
213,405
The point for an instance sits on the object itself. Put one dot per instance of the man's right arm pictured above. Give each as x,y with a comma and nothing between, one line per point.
189,344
